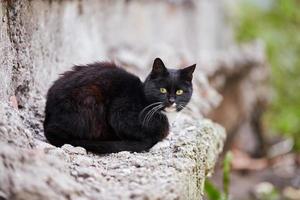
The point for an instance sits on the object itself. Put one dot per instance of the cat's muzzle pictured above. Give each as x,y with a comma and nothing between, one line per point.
171,108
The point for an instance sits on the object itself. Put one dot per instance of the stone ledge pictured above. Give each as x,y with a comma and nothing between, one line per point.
36,45
173,169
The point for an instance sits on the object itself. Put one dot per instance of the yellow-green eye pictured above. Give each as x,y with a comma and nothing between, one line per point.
163,90
179,92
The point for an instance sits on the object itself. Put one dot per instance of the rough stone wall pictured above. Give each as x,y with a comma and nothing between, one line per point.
41,39
173,169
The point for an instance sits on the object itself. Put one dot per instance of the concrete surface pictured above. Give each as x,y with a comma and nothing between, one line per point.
41,39
173,169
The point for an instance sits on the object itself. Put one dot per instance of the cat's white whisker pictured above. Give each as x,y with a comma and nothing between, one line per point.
157,108
150,114
187,109
144,109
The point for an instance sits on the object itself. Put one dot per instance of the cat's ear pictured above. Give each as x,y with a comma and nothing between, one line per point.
187,73
158,68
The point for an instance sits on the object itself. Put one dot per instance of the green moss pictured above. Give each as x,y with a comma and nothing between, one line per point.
211,191
279,28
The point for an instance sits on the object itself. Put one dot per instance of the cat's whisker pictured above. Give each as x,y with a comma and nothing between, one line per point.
150,114
153,113
146,116
186,108
159,102
144,109
182,107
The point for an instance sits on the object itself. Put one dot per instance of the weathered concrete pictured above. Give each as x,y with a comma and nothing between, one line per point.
173,169
40,39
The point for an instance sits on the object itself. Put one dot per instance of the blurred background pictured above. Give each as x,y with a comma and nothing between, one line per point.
247,77
265,145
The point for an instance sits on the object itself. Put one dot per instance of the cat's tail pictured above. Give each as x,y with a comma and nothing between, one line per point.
102,147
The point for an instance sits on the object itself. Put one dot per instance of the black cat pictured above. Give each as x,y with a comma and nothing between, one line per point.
105,109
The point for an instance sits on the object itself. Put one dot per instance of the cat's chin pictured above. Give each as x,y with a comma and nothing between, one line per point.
170,109
172,114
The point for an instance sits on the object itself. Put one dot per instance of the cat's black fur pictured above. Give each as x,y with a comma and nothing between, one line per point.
105,109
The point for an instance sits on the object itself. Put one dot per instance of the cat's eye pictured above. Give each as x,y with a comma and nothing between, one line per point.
163,90
179,92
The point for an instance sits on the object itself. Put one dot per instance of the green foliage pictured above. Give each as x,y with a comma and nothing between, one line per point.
273,195
279,28
214,193
226,173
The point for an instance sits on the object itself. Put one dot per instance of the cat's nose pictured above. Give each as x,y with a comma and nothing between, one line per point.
171,100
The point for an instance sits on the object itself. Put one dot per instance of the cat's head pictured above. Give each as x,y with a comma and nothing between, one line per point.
170,88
